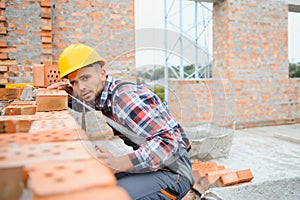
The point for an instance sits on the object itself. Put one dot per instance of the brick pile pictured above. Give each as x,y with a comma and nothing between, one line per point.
42,144
209,175
43,155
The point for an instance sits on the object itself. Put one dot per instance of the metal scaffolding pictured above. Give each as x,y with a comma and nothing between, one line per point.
192,43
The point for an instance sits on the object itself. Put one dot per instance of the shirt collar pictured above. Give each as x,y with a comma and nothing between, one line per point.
104,101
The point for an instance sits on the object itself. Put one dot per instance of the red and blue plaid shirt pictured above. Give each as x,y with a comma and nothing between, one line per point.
140,110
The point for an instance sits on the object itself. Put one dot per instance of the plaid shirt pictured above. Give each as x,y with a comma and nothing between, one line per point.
140,110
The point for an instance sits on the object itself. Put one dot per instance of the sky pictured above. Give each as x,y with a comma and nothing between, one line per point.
294,37
150,15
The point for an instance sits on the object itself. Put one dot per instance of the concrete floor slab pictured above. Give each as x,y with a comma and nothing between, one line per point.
273,155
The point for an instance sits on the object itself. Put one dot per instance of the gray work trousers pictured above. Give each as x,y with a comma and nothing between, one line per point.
154,185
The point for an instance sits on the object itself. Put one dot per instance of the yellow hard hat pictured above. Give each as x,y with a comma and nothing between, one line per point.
75,57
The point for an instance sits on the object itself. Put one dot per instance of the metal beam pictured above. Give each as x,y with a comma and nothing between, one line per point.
209,1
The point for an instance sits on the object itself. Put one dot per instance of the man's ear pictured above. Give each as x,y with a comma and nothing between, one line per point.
103,74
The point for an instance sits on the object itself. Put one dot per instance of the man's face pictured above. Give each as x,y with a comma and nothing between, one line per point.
88,82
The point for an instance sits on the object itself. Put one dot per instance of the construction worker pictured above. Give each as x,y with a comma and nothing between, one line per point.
159,166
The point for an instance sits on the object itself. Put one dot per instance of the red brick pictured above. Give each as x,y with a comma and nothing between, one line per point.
14,157
20,110
111,193
3,44
51,74
3,80
2,18
46,12
23,126
2,5
3,68
17,123
44,33
46,46
19,32
46,28
3,56
46,3
3,74
46,40
221,167
218,173
206,174
38,75
244,175
10,186
228,179
54,123
8,49
2,30
10,93
8,62
58,115
54,178
49,100
19,102
40,137
21,155
205,166
206,182
47,51
196,175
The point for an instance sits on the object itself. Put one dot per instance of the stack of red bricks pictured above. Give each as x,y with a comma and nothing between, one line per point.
45,155
3,31
3,45
209,174
3,72
46,33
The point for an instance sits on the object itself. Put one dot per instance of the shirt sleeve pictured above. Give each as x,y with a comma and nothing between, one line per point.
142,111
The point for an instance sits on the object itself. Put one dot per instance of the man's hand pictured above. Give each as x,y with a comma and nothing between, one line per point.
116,164
62,85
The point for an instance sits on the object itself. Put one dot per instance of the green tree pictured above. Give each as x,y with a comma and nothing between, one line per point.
294,70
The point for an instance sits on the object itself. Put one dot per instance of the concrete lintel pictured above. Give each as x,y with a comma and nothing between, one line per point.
294,5
294,8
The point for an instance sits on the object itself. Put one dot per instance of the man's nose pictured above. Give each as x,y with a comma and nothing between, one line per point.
81,86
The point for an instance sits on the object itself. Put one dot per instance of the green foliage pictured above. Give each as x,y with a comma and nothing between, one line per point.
294,70
160,92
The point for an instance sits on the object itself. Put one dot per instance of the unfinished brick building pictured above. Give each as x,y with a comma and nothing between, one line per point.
250,83
250,86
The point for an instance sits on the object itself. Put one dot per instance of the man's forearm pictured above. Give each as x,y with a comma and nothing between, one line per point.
123,164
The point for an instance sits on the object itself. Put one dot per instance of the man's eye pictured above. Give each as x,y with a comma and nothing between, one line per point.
84,78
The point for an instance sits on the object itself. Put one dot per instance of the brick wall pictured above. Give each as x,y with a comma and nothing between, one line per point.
36,31
250,77
250,82
105,25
